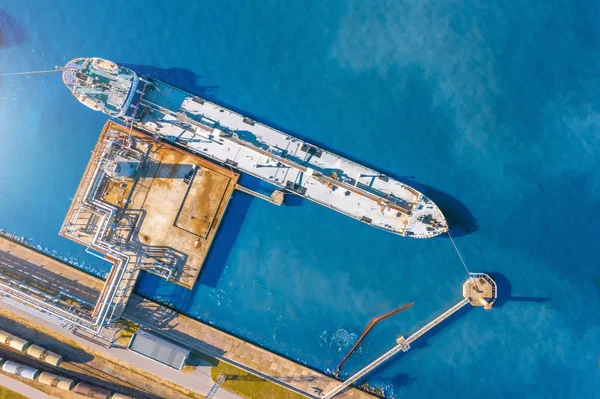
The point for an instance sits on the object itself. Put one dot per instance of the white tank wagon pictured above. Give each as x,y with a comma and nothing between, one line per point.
21,370
45,355
91,391
57,381
120,396
13,341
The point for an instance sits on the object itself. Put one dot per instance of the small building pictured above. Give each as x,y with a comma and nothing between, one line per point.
158,349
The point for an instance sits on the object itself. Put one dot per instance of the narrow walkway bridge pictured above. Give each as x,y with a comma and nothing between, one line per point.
276,197
478,290
406,343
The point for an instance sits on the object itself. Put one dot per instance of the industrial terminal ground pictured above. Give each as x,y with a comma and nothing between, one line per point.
143,205
56,276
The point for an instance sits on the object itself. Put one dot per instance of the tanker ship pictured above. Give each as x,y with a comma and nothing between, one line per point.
248,146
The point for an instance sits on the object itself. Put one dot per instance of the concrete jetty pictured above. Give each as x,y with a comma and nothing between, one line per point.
146,205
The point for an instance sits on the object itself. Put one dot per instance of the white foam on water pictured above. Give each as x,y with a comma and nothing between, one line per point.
340,340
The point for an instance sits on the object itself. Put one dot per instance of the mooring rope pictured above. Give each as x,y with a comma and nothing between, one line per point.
30,72
463,263
458,253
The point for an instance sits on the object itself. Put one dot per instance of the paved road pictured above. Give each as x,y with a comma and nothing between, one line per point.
22,388
19,261
66,371
199,381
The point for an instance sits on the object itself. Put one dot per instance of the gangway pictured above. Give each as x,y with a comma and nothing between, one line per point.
434,323
276,197
363,372
478,290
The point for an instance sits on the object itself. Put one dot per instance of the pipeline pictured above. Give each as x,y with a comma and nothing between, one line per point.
364,333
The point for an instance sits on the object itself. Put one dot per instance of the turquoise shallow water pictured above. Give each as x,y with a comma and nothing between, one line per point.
492,109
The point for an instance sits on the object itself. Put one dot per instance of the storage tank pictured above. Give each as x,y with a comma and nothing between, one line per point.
21,370
91,391
120,396
57,381
13,341
44,355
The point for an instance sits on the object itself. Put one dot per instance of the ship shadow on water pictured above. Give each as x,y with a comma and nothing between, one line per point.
226,237
11,32
460,219
178,77
505,292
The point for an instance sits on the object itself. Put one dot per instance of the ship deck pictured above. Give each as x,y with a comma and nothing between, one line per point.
285,161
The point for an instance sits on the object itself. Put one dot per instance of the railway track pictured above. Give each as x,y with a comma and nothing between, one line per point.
87,373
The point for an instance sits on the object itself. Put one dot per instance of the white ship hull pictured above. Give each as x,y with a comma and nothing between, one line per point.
229,138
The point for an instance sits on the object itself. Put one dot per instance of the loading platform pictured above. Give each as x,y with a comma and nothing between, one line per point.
145,205
478,290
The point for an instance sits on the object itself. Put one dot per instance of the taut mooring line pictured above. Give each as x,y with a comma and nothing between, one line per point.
30,72
458,253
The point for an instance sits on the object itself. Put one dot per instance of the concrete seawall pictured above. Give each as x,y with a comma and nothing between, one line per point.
37,268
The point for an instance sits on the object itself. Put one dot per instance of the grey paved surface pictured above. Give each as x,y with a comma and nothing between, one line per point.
251,358
17,260
199,381
22,388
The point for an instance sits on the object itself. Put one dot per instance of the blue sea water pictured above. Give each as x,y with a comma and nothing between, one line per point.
490,108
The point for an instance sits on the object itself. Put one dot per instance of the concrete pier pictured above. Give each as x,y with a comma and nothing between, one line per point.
146,205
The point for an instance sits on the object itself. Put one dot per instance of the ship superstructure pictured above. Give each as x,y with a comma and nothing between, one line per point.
101,85
237,141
